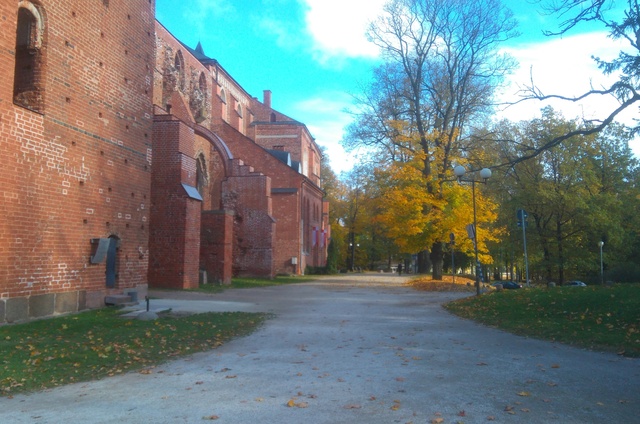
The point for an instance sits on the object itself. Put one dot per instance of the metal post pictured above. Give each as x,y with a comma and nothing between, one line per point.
601,243
452,238
485,174
524,238
475,239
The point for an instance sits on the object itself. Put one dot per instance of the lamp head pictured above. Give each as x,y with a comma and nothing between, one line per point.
485,174
459,171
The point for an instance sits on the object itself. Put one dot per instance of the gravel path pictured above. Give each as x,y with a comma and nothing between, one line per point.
353,349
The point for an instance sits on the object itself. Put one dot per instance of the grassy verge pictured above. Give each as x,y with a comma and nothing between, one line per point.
248,283
99,343
593,317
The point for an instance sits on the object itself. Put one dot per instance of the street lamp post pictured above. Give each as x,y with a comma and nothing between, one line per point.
485,174
601,243
452,239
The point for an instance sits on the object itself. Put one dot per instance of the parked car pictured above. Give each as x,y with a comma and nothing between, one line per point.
576,283
508,285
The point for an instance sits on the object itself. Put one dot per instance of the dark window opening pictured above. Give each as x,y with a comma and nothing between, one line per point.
28,80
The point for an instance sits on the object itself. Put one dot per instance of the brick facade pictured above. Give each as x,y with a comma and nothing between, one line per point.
75,148
128,159
280,220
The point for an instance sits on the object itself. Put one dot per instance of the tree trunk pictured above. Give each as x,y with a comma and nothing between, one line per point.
423,262
437,260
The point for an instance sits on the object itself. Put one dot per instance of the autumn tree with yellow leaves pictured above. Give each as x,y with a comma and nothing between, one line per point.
413,216
441,67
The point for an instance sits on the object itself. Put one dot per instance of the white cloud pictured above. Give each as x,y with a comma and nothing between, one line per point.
326,119
563,67
559,66
338,27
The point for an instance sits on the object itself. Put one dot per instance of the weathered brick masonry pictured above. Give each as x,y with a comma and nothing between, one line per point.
279,217
75,149
128,159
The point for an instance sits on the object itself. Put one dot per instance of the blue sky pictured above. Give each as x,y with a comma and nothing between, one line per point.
313,55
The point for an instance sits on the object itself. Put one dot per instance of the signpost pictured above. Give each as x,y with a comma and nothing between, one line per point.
522,222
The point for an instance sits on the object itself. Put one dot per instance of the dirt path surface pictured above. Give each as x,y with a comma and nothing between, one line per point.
353,349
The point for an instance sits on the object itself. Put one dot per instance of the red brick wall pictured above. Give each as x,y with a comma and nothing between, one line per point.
248,195
81,169
286,207
216,249
174,244
223,119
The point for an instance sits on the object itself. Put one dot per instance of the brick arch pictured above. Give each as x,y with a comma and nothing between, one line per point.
38,15
218,144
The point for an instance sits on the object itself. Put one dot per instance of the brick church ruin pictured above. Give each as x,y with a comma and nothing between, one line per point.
130,160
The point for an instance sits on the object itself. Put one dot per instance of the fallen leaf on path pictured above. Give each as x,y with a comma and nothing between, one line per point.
293,404
555,366
352,406
211,417
437,420
524,394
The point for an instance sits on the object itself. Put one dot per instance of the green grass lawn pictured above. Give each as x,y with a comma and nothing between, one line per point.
603,318
98,343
